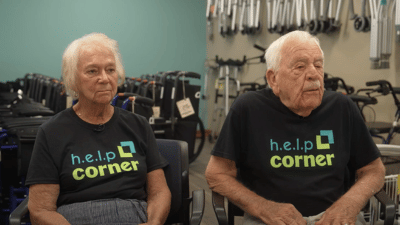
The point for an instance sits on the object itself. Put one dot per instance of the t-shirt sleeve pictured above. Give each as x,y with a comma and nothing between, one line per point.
229,141
363,148
42,168
154,159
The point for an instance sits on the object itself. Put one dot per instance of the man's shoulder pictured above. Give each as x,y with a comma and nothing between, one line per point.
252,97
337,97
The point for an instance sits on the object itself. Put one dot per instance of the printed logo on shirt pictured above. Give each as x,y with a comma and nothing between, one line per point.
109,168
304,160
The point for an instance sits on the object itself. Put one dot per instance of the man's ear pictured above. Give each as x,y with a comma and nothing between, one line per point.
271,79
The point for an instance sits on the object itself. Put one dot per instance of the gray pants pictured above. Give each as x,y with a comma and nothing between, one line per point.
251,220
105,211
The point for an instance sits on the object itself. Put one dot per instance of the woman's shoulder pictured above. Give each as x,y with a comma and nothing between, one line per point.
128,116
61,119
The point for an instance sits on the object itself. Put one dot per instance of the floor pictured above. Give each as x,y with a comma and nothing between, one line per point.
197,181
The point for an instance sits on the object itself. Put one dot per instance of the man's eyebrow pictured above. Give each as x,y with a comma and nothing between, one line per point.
321,59
296,60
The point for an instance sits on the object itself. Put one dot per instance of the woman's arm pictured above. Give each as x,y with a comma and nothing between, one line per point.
42,204
159,197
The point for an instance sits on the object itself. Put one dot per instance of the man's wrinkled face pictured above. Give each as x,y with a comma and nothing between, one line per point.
299,80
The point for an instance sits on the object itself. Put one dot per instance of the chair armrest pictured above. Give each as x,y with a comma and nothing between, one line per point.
197,207
19,212
219,208
388,206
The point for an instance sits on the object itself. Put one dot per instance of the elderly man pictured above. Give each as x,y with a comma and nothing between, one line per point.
285,154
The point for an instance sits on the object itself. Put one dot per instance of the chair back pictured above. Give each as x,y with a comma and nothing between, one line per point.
177,176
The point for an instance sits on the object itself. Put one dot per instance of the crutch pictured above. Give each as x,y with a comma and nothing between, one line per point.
314,23
269,14
397,21
290,16
254,16
276,11
210,19
375,46
242,25
335,22
233,28
326,15
288,20
387,34
281,28
301,14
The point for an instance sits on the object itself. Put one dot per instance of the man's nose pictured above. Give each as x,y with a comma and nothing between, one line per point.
312,73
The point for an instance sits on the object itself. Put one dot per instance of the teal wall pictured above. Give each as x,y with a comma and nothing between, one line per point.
154,35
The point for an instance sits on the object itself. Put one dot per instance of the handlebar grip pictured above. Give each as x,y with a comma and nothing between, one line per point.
127,94
142,100
259,47
378,82
191,75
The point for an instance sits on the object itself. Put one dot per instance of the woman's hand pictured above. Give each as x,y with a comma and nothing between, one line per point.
158,199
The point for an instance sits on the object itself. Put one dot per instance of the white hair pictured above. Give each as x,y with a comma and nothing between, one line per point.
71,56
274,51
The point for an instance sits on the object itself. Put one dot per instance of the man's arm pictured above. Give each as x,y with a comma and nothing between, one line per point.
221,177
42,204
370,180
159,197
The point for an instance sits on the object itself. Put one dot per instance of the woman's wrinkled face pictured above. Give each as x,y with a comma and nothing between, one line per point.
96,78
299,79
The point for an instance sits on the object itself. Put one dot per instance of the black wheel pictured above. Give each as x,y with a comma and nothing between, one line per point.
360,24
314,26
201,144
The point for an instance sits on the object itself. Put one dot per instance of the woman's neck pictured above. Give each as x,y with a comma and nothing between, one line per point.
94,113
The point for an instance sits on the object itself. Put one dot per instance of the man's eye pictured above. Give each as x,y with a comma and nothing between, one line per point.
111,70
92,71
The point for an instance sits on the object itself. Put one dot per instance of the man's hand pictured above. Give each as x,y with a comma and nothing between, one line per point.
339,213
281,214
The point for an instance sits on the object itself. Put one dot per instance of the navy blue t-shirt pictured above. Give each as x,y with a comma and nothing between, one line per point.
309,162
91,162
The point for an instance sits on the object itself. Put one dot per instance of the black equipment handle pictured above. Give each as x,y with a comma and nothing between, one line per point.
347,88
230,62
384,85
143,100
378,82
188,74
259,48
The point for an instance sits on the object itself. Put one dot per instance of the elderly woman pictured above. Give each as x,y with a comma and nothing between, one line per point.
93,163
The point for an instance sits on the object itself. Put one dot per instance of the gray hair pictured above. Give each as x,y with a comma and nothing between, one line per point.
70,59
274,51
